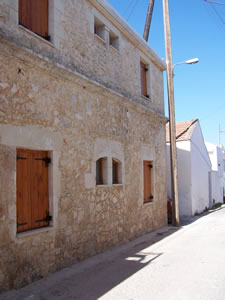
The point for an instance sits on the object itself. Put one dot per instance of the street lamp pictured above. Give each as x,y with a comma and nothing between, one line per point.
188,62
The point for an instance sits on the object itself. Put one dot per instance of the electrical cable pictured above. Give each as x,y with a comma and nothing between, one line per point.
218,15
214,2
128,7
135,4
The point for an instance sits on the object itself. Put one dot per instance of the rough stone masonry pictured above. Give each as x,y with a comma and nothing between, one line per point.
78,97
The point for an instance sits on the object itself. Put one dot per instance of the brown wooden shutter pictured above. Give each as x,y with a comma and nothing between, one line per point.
23,204
147,167
115,169
32,190
33,14
99,171
39,187
143,68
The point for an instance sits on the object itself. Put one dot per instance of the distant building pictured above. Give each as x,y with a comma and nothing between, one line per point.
216,177
193,165
82,135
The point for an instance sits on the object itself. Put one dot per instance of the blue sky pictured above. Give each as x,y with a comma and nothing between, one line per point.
197,30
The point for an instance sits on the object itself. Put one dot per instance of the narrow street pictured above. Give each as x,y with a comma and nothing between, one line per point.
185,263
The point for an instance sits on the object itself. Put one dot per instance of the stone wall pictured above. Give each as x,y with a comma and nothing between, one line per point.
46,104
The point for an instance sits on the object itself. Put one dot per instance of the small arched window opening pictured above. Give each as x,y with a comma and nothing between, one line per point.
101,171
116,171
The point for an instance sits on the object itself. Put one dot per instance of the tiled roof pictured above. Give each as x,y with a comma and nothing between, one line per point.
184,130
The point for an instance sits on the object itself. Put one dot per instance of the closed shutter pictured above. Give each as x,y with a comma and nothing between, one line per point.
33,14
147,167
115,171
32,190
143,79
23,203
99,171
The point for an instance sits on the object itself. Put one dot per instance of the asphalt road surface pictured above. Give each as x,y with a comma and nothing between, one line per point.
186,263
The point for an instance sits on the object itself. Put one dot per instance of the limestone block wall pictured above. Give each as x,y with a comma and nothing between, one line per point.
78,98
45,107
75,45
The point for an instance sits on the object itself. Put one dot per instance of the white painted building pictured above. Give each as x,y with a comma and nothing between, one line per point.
194,166
216,176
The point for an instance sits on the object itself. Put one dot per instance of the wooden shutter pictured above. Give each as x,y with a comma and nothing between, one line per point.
115,171
39,187
32,190
147,167
33,14
143,68
23,204
99,171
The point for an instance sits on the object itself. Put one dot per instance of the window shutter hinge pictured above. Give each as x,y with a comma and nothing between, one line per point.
20,157
47,219
146,69
150,166
47,160
151,197
21,224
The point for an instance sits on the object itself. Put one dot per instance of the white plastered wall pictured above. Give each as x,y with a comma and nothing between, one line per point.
184,177
201,166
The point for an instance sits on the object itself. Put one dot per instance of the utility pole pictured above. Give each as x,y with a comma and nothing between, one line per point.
148,19
172,124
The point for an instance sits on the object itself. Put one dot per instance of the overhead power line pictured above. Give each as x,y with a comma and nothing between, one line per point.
135,4
214,2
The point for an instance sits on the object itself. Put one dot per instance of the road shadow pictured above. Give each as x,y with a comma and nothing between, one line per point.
97,275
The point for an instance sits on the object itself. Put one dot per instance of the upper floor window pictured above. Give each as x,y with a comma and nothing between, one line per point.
144,81
116,171
99,29
33,14
147,168
101,171
113,40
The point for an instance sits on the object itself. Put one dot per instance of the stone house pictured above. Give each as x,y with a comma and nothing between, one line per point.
193,166
82,135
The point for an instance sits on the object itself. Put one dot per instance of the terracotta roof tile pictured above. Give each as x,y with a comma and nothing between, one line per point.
184,130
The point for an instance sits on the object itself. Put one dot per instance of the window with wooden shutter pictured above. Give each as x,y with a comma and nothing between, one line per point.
99,171
144,88
147,168
32,189
115,171
33,14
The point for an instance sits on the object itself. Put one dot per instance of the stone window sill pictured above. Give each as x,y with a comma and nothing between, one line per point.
114,49
102,185
148,203
146,98
21,27
99,38
34,232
